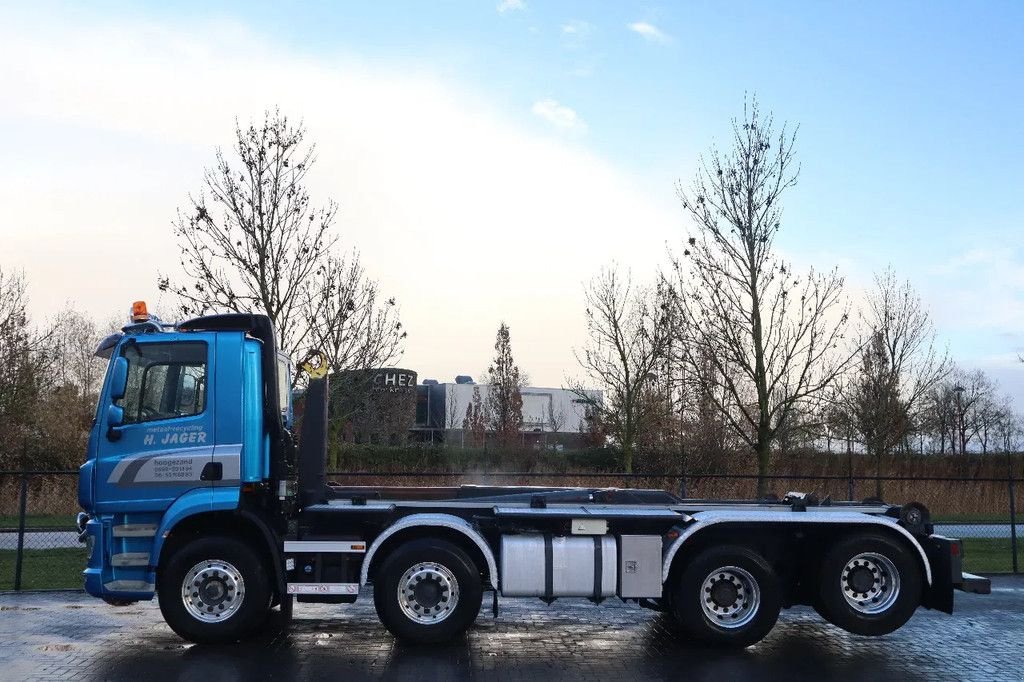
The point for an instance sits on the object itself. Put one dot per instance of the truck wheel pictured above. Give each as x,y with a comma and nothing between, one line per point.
727,596
870,585
427,591
214,590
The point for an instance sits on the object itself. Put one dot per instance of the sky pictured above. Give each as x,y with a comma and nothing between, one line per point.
490,157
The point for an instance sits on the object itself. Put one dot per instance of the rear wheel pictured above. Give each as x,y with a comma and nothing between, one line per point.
727,596
214,590
869,585
427,591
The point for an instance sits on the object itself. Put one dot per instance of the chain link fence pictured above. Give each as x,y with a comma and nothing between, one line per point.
39,548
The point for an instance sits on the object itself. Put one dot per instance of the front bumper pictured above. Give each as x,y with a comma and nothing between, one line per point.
103,580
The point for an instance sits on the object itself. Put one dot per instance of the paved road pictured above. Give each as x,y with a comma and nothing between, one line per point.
64,636
976,530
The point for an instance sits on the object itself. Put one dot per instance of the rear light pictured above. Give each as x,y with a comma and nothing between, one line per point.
954,549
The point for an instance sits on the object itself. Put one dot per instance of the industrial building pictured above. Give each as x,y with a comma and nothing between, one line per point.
386,406
552,417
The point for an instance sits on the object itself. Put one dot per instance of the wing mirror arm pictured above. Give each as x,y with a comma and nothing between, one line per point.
115,418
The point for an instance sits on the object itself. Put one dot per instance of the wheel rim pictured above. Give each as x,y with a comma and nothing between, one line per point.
870,583
730,597
213,591
428,593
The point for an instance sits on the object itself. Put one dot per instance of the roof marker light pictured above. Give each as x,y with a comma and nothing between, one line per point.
139,312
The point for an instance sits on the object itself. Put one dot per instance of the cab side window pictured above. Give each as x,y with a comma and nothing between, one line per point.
165,381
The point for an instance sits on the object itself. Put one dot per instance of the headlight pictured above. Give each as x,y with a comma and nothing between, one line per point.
80,521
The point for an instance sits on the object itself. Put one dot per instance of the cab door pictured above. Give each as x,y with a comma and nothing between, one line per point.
157,439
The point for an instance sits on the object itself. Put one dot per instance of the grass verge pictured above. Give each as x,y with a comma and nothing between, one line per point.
988,555
62,521
44,569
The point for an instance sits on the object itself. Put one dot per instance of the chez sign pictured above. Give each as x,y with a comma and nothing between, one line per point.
394,380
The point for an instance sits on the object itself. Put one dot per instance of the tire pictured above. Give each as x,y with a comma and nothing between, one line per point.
219,569
869,584
427,591
738,613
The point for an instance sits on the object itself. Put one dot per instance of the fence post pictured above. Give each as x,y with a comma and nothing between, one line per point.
1013,509
21,531
849,476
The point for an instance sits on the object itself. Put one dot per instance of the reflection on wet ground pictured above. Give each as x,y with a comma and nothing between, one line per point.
64,636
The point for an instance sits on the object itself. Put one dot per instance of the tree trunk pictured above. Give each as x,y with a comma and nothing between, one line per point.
878,474
762,451
627,456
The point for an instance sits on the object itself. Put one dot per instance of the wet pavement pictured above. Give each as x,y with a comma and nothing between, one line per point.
72,636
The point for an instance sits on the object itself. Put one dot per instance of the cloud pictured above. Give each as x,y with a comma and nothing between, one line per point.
576,34
577,27
511,6
649,32
559,115
464,213
982,288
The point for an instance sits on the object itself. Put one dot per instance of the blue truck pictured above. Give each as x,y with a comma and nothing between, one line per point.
196,491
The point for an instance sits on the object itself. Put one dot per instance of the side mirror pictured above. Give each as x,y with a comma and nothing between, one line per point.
118,379
115,417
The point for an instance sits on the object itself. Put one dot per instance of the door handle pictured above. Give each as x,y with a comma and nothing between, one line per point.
213,471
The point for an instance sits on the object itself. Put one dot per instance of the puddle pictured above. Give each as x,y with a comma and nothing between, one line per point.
57,647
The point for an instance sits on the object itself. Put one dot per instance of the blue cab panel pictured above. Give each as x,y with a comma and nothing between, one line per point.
255,464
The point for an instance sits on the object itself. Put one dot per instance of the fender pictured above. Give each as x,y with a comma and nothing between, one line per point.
702,520
273,546
195,501
437,521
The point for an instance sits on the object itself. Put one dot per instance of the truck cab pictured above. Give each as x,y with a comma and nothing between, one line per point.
181,427
194,491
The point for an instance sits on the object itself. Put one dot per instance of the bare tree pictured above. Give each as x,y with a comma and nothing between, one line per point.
773,336
555,417
900,364
1010,428
74,365
939,416
19,367
251,240
348,320
628,337
973,394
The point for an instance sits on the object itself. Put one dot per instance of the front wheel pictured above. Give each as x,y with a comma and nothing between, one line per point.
214,590
870,584
428,591
727,596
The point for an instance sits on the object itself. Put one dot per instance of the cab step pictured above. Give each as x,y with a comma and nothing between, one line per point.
135,530
130,559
